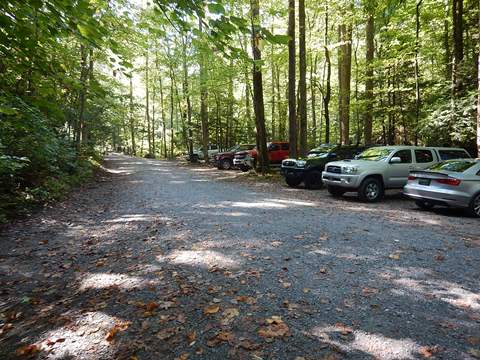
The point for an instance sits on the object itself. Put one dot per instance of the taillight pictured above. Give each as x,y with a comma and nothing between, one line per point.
450,181
411,177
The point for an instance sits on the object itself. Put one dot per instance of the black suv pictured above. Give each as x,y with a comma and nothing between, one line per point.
309,169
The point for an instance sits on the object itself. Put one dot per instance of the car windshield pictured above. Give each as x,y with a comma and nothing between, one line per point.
453,165
245,147
374,154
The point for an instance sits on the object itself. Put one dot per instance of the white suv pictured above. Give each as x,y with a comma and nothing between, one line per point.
383,167
212,151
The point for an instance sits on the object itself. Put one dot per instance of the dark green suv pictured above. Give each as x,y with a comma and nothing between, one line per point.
309,170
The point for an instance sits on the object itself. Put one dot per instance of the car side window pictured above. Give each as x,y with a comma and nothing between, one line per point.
343,153
285,147
405,155
273,147
423,156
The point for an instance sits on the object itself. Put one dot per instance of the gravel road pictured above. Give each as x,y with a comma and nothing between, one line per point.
158,260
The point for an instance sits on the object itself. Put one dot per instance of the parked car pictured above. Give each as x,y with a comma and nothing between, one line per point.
277,151
198,153
380,168
453,183
224,160
309,170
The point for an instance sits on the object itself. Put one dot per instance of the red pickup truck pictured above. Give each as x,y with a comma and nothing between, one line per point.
277,151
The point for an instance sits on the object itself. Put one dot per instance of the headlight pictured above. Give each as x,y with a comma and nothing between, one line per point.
301,163
349,169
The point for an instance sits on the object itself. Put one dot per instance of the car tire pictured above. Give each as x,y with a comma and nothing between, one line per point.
474,207
424,205
225,164
313,180
335,191
194,158
244,168
371,190
293,181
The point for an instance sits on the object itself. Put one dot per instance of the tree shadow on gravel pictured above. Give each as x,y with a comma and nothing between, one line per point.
123,282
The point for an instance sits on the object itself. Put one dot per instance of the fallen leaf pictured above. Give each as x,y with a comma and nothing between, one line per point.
394,256
211,309
475,353
439,257
473,340
27,350
228,315
275,328
222,336
183,356
428,351
191,337
120,326
369,291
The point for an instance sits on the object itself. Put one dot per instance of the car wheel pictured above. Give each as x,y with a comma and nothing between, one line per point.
335,191
293,181
244,168
475,206
194,158
371,190
425,205
226,164
313,180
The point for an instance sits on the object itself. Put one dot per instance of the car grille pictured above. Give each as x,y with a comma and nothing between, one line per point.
334,169
289,163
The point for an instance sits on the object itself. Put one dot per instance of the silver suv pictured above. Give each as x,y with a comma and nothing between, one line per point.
384,167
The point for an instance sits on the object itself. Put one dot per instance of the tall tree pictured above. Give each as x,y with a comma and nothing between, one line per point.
417,75
292,116
478,90
344,78
457,23
147,105
328,87
258,104
302,83
370,35
186,94
203,98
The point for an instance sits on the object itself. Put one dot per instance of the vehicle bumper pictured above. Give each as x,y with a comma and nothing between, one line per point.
241,162
452,198
341,180
292,172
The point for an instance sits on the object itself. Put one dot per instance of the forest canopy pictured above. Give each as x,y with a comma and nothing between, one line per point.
159,78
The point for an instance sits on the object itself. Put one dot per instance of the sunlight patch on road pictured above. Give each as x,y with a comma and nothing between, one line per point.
201,258
446,291
377,345
136,218
83,337
104,280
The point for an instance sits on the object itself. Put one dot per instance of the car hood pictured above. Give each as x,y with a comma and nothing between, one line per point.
226,153
359,163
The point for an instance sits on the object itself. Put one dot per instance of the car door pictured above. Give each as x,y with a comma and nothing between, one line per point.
424,158
397,173
284,148
273,152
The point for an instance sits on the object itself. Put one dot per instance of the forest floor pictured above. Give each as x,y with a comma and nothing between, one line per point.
157,260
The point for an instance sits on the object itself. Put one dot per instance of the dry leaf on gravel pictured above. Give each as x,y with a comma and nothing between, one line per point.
211,309
229,315
428,351
120,326
475,353
27,350
275,327
222,336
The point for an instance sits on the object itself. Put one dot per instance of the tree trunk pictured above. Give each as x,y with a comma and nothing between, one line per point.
231,101
446,43
164,123
417,75
147,106
370,34
478,98
186,94
81,97
281,101
344,76
292,117
132,125
203,99
328,86
457,21
302,58
172,108
313,71
258,104
273,134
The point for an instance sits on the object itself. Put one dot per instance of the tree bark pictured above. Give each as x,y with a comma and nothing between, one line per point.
446,43
186,94
370,34
272,120
203,100
328,86
344,77
132,125
258,103
147,106
164,123
313,81
457,20
302,58
478,95
172,108
417,75
292,116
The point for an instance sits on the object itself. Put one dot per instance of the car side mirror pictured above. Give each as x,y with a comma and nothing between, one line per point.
395,160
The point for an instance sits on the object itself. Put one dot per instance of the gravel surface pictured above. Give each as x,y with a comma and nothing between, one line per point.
159,260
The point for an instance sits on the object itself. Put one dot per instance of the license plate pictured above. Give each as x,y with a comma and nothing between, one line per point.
424,181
